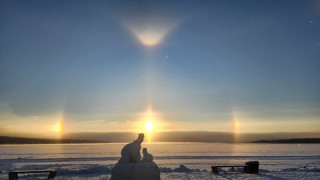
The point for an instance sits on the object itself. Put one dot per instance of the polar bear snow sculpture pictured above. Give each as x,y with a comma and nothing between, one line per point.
130,165
146,156
130,153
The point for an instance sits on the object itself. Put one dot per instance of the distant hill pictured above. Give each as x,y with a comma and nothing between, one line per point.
177,136
291,141
189,136
156,136
20,140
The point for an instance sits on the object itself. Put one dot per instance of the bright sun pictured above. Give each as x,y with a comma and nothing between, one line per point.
149,126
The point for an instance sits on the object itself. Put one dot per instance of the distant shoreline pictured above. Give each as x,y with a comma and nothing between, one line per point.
7,140
290,141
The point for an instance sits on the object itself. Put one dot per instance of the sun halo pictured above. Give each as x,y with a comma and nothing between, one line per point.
58,127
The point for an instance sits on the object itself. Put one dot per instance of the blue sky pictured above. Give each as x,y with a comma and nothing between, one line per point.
254,62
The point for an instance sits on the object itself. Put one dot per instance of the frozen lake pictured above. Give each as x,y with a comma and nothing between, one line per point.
94,161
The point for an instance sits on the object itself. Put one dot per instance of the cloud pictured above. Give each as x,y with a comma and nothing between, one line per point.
94,121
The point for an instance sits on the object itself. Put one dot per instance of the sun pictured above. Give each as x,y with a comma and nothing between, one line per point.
149,126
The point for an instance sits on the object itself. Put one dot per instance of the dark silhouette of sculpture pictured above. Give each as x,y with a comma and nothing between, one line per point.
130,153
146,156
131,167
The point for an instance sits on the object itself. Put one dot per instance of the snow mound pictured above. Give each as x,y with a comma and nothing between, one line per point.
181,169
93,169
303,169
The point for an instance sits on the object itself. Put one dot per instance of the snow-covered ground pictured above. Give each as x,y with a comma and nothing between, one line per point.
98,172
80,162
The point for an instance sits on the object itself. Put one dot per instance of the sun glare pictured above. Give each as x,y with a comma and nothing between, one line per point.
58,127
149,126
150,33
149,38
235,125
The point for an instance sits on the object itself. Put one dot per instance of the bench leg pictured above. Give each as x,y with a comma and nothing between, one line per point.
52,175
214,169
13,176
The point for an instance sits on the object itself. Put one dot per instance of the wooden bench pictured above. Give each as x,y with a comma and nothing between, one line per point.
14,175
251,167
215,168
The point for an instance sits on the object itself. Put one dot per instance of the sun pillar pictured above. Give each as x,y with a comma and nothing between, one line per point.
235,126
149,124
59,126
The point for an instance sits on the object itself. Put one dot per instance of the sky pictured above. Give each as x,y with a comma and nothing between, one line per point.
108,66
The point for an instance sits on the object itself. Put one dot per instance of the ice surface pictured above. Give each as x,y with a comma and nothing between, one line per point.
95,162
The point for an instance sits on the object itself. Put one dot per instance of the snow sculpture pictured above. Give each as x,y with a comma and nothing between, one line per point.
130,153
146,156
130,165
135,171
